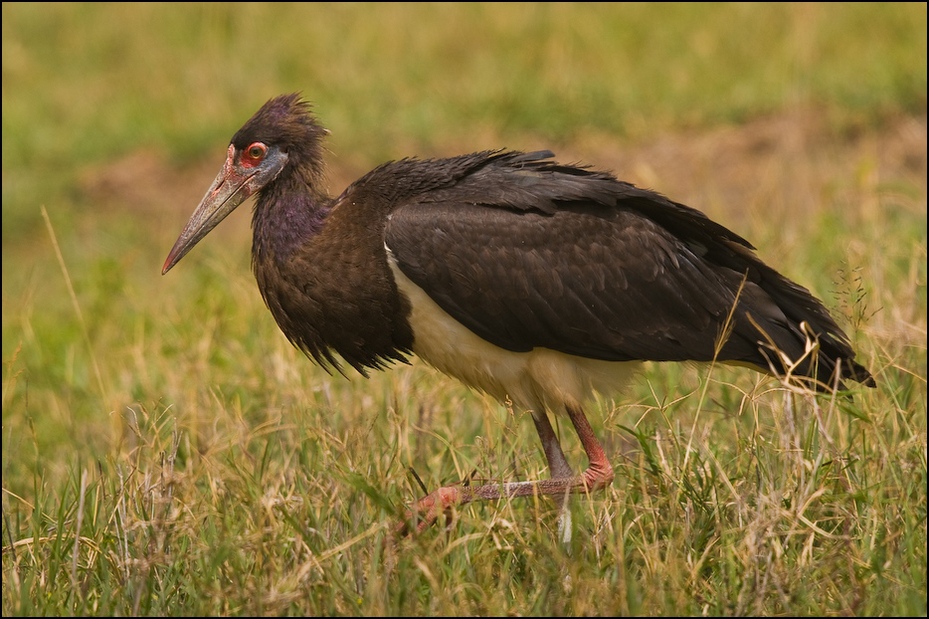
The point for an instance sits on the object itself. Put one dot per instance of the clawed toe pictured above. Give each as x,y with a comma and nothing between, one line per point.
427,510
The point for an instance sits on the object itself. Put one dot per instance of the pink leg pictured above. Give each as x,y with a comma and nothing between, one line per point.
599,475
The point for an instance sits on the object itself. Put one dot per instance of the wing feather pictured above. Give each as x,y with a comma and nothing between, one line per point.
529,253
610,286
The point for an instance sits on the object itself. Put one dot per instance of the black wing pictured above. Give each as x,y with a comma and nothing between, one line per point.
528,253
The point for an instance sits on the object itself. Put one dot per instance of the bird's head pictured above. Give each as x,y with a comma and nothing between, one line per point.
281,136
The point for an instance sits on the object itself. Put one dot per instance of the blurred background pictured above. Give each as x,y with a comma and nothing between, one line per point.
800,126
166,85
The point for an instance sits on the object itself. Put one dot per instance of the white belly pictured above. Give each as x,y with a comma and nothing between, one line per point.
531,380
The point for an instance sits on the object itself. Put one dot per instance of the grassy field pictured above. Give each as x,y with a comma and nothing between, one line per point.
166,452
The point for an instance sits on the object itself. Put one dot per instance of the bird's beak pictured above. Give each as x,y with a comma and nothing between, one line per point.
232,186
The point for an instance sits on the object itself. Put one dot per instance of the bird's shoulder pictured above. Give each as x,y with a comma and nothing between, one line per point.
492,178
515,183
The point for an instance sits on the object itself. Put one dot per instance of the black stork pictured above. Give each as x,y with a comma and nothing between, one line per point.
530,280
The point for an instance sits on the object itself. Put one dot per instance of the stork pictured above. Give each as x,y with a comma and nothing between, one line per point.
535,282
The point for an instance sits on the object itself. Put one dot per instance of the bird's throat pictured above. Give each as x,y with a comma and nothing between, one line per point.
282,224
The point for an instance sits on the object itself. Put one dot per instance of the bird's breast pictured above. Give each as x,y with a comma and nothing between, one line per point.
329,296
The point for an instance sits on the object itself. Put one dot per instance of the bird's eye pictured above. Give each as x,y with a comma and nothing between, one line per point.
254,153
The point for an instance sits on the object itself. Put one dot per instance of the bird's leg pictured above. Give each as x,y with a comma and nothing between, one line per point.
599,475
558,466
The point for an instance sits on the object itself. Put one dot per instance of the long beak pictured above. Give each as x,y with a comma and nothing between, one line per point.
232,186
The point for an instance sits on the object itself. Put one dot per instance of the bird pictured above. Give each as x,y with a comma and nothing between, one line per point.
535,282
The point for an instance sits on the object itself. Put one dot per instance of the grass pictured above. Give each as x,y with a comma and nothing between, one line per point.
166,452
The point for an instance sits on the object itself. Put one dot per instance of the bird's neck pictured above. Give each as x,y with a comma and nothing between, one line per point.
286,216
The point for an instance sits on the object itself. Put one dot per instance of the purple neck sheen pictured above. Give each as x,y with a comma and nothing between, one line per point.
285,221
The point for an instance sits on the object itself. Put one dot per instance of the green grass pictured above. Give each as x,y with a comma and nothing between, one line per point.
166,452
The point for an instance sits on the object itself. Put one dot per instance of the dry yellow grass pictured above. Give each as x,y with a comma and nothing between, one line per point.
166,452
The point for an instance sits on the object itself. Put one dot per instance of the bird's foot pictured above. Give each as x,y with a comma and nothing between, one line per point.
427,509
